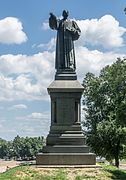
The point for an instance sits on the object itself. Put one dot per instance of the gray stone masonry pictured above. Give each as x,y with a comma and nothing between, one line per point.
66,159
65,143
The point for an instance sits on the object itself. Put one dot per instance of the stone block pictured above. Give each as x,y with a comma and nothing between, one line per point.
66,149
65,159
65,143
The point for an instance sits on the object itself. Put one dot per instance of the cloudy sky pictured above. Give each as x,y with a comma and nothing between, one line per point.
27,50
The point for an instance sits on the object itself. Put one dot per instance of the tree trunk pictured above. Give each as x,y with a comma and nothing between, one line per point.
117,154
117,161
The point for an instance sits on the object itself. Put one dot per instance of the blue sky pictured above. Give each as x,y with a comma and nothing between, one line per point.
27,50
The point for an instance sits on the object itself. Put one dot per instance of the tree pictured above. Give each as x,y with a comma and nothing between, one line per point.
105,110
28,147
18,144
6,149
21,148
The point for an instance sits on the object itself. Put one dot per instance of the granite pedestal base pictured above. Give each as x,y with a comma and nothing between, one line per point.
65,143
66,159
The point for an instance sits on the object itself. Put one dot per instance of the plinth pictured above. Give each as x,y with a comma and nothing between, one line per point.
65,143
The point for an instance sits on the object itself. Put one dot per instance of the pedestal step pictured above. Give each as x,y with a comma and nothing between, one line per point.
61,127
65,139
66,75
66,149
65,159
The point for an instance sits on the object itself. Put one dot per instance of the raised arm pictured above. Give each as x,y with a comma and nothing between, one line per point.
53,21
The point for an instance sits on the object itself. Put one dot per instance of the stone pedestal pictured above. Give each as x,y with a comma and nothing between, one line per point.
65,143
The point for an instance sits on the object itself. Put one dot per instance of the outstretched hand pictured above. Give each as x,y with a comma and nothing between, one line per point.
52,21
52,15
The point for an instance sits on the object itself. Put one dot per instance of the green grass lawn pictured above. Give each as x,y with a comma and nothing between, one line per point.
33,173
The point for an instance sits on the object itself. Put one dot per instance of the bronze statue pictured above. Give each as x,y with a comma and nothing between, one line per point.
67,32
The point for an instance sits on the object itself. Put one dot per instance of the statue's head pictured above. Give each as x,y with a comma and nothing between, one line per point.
65,14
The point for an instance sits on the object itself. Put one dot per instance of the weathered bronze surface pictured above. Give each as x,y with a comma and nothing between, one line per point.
67,32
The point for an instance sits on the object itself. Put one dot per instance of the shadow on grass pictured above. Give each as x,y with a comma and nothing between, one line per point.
115,173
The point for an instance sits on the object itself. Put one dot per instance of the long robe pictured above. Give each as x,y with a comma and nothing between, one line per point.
67,32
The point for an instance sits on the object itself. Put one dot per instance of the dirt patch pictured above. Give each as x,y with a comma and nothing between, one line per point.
92,172
45,171
72,173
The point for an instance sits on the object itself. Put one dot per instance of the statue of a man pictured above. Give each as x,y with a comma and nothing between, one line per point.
67,32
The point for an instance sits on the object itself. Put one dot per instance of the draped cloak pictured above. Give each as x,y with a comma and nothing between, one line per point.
67,32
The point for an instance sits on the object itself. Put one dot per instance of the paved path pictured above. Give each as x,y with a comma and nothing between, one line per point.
122,166
5,165
3,169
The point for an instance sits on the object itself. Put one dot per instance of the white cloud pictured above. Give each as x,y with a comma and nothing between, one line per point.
49,46
105,31
18,64
37,115
36,123
11,31
20,88
93,60
25,77
33,124
45,25
18,107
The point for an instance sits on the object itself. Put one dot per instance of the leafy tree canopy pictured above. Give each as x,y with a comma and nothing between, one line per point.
105,110
21,147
